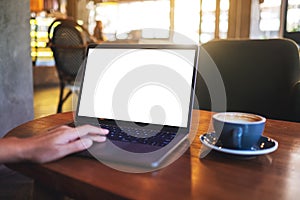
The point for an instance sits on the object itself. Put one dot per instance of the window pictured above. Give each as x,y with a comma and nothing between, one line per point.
125,20
265,19
186,18
293,16
213,19
223,24
198,20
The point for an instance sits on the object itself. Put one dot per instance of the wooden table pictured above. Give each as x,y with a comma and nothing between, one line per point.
217,176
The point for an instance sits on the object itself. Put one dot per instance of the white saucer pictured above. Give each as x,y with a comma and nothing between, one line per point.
265,145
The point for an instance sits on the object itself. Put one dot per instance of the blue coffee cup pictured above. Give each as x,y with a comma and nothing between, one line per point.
238,130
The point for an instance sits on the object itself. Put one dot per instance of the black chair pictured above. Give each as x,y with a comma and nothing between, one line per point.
68,41
259,76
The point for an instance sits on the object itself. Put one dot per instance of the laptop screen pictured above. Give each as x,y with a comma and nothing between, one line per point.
136,84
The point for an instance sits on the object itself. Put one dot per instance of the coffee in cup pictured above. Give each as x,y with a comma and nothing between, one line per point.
238,130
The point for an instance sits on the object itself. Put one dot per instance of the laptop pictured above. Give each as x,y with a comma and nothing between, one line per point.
143,94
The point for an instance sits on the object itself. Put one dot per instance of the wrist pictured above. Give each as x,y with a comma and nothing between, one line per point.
12,150
22,150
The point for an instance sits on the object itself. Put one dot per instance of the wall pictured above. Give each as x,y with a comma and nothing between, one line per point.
16,87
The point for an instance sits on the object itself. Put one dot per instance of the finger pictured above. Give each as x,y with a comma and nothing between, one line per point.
76,146
75,133
88,129
96,138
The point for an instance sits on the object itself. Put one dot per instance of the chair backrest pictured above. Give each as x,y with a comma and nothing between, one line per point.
66,39
259,76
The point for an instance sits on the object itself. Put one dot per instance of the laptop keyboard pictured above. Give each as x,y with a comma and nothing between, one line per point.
138,135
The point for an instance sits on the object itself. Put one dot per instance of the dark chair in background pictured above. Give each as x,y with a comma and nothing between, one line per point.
68,41
260,76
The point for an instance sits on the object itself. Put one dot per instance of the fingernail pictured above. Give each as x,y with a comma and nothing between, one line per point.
105,131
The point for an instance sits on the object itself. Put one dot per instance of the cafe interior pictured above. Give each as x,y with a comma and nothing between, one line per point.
253,43
129,22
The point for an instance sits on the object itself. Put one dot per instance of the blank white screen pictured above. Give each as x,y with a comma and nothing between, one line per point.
140,85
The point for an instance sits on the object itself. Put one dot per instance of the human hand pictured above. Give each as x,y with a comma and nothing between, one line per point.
54,144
